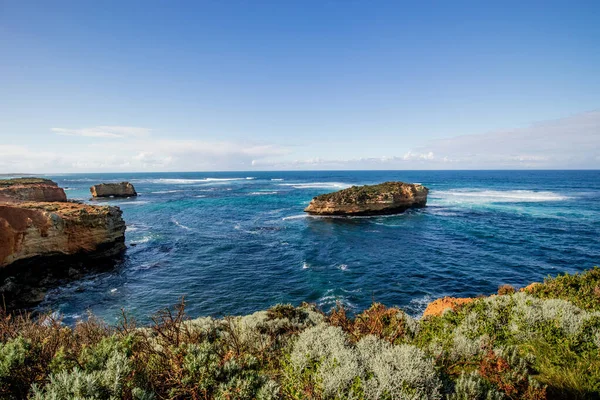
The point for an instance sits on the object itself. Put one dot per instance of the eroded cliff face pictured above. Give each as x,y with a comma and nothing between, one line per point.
46,240
30,189
122,189
31,229
384,198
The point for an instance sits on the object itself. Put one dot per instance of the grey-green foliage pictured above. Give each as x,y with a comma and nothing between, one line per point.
106,382
12,355
239,375
372,368
516,318
402,371
470,386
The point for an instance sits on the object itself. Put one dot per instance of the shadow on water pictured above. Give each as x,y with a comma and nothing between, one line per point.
26,282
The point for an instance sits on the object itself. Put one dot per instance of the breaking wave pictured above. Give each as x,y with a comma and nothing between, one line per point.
474,196
317,185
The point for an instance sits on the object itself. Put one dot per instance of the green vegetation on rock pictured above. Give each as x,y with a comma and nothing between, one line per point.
368,193
543,343
26,181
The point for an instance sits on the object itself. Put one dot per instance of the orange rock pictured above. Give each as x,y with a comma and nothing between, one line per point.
529,288
33,229
30,189
438,306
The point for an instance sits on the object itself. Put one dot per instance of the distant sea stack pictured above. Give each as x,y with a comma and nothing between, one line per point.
30,189
384,198
123,189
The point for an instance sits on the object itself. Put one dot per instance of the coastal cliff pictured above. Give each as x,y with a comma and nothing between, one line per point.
45,239
384,198
31,229
30,189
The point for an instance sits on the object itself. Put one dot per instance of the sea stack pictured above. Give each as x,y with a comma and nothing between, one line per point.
122,189
384,198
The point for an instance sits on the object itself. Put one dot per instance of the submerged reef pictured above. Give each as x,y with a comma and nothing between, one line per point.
543,343
384,198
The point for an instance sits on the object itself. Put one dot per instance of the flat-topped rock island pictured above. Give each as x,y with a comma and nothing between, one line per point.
121,189
384,198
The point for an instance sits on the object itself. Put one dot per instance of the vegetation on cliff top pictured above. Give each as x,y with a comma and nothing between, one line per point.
26,181
539,345
366,193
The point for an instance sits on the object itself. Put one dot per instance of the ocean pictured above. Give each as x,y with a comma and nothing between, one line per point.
237,242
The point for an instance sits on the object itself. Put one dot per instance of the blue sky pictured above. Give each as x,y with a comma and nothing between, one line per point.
240,85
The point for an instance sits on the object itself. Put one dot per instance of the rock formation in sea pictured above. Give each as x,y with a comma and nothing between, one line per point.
384,198
122,189
44,241
30,189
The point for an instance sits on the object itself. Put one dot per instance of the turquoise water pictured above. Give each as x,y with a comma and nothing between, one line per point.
234,243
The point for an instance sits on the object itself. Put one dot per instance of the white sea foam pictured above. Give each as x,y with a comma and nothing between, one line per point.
144,239
166,191
417,305
317,185
262,193
113,290
294,217
187,228
332,300
177,181
305,265
475,196
128,203
277,179
200,196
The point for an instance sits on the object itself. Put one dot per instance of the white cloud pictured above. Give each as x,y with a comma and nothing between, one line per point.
572,142
104,131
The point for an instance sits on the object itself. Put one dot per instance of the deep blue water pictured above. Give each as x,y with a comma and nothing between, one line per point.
237,242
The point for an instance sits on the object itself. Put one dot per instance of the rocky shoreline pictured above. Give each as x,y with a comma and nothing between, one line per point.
45,239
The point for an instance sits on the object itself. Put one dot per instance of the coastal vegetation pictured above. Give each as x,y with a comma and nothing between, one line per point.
538,343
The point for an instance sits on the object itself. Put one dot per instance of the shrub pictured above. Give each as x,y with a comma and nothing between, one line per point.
471,386
506,289
581,289
327,363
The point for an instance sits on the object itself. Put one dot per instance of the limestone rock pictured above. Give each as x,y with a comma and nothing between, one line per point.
30,189
123,189
438,306
32,229
384,198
